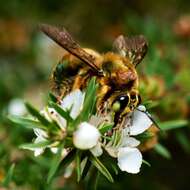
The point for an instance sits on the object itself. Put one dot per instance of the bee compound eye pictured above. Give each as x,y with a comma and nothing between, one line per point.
121,102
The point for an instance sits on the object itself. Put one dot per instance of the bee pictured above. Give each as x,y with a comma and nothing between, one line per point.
115,71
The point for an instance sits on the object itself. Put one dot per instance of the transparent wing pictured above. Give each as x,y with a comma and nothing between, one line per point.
135,48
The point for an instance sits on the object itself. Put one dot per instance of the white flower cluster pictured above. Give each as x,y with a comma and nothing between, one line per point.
87,135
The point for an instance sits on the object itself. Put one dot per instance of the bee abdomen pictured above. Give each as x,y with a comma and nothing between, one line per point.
63,77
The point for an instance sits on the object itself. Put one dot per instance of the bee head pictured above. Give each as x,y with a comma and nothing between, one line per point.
123,104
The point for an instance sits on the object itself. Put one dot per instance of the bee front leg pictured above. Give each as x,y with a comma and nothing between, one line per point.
101,101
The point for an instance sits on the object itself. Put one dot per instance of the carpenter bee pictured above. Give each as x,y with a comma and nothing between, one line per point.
115,71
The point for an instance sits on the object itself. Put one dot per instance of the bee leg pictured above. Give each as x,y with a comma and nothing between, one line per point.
81,79
101,102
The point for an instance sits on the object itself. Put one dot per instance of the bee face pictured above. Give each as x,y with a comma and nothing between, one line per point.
115,72
124,103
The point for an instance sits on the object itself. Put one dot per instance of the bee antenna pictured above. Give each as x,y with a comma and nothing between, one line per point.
150,117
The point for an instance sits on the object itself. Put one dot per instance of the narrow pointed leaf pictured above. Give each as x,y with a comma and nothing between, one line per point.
147,163
78,165
68,159
168,125
96,180
89,102
98,164
55,164
9,175
52,98
36,114
86,169
105,127
63,113
163,151
183,140
29,123
42,144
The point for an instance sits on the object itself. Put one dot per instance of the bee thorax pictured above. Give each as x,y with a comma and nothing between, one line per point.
122,78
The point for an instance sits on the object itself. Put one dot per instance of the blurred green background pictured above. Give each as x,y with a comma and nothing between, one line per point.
27,58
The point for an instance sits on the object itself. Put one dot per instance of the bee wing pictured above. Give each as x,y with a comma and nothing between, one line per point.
64,39
134,48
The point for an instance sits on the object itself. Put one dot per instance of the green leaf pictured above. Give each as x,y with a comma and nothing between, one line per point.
52,97
150,104
55,163
115,168
89,102
144,136
78,165
184,141
8,177
63,113
90,98
91,180
86,169
147,163
42,144
96,180
29,123
162,150
168,125
105,127
36,114
116,138
68,159
98,164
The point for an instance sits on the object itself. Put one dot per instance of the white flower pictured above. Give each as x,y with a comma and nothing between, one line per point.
51,115
41,137
16,107
129,142
86,136
128,156
129,159
140,122
97,150
73,101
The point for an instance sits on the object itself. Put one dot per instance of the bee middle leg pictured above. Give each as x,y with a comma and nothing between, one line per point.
81,79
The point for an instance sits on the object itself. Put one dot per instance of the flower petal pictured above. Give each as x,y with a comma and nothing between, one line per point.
111,150
73,101
129,142
129,160
51,115
54,150
86,136
38,151
97,150
78,103
96,120
140,123
142,108
41,135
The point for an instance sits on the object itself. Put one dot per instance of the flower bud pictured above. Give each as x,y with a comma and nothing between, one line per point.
86,136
